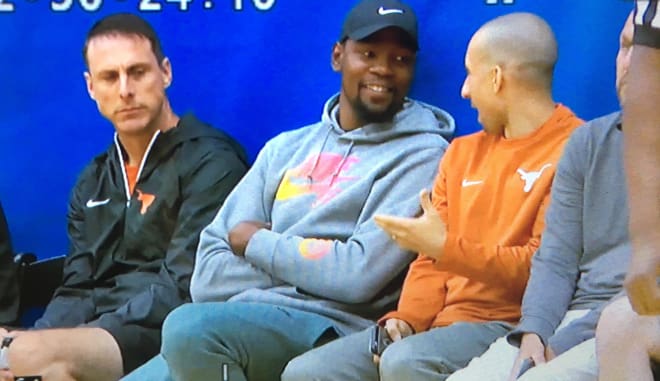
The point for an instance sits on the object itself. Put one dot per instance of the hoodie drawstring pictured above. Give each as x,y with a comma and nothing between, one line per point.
337,170
318,157
341,163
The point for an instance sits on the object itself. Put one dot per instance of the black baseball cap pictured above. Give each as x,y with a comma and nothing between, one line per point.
370,16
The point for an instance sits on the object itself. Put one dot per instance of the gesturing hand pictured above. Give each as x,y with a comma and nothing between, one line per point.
424,234
240,235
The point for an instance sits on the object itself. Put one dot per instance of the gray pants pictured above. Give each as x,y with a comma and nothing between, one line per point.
243,341
431,355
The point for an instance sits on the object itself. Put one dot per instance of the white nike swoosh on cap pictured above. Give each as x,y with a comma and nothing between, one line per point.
467,183
93,204
382,11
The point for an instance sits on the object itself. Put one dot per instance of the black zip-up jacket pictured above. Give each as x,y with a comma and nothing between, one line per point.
131,256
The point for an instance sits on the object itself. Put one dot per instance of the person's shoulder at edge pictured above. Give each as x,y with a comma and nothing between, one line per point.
609,120
598,127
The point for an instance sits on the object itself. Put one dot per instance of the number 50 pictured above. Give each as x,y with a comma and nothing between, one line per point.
65,5
262,5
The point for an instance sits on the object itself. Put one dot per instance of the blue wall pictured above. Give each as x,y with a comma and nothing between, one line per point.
251,72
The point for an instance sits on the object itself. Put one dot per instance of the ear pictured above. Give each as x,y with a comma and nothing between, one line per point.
90,86
497,77
166,69
336,57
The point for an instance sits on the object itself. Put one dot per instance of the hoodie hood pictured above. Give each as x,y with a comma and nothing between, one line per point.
191,128
415,117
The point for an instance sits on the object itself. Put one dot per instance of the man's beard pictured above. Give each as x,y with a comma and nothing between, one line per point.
369,116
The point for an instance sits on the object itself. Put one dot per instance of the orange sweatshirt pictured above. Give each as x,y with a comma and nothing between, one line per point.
492,193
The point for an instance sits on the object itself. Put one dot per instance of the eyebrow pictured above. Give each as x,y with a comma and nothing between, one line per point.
137,65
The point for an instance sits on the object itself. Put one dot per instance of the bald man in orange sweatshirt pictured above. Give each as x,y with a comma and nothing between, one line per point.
481,225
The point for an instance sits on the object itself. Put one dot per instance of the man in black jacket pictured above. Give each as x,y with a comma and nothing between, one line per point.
134,217
8,285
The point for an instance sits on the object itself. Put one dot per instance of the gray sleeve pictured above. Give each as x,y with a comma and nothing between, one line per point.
554,271
247,202
578,330
368,259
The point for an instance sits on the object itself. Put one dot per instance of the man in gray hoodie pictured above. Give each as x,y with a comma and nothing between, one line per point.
581,263
294,258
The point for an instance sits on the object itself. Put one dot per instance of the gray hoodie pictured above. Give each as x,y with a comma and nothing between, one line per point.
320,186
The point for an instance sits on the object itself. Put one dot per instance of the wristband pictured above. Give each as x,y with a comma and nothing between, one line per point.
4,347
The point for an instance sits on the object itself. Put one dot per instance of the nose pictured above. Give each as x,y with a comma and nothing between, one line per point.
465,90
125,86
382,67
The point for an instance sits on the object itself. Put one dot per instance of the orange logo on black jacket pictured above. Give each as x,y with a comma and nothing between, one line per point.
147,199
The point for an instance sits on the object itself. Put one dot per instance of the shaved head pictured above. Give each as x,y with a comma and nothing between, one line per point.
522,42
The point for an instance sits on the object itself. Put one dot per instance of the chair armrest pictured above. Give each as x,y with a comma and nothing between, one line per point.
23,259
38,281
